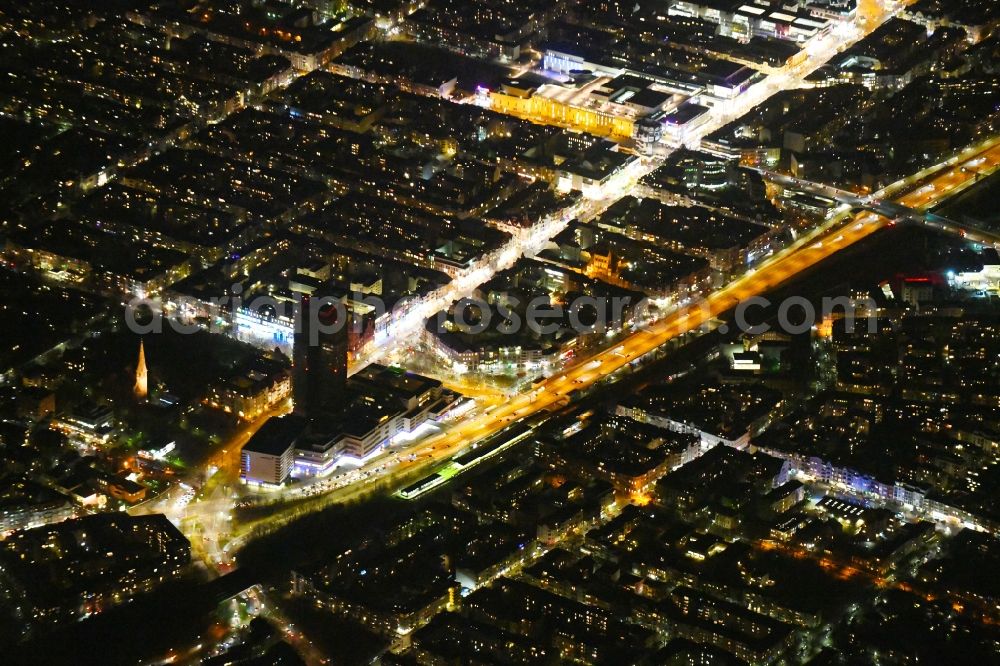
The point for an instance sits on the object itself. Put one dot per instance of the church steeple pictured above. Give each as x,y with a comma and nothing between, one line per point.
141,375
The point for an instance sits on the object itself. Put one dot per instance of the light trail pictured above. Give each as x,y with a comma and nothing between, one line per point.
558,389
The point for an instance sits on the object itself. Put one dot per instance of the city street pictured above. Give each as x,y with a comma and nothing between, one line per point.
209,513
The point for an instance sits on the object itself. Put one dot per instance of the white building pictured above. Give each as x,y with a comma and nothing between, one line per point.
795,22
267,458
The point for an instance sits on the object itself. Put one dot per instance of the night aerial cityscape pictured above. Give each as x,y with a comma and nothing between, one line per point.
468,332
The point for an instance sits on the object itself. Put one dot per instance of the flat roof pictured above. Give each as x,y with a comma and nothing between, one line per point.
403,383
685,114
277,435
649,98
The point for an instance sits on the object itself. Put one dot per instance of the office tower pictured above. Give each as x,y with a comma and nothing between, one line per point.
319,359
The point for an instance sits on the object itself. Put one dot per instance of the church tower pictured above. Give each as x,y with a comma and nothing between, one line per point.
141,378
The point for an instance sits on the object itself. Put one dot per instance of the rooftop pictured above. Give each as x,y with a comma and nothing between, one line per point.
277,435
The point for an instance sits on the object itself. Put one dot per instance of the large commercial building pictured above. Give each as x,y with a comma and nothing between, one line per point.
384,404
267,458
796,22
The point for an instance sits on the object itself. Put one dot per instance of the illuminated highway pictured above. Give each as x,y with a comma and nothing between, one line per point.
957,173
208,518
809,250
776,271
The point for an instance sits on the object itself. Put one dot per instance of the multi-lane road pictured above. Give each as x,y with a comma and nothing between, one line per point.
532,240
919,192
804,254
949,178
558,390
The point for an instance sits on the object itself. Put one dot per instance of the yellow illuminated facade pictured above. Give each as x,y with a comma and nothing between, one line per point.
604,266
551,112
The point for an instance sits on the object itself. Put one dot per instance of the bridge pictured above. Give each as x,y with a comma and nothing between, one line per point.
967,172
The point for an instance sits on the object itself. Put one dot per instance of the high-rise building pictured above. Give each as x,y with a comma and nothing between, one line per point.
319,359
